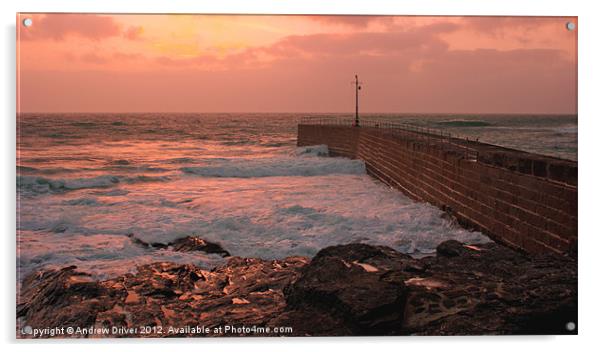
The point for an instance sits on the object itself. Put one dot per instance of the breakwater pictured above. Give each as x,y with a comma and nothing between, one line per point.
524,200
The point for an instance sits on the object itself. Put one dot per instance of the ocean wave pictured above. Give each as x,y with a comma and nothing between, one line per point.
45,171
112,193
312,150
38,185
464,123
180,160
118,167
277,144
566,129
238,142
145,178
84,124
134,168
119,162
247,168
82,201
26,169
44,185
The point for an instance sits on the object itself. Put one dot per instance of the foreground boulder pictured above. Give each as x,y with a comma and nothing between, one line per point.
62,297
355,284
353,289
242,292
491,289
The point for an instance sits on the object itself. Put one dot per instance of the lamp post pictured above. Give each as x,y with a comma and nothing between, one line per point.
357,90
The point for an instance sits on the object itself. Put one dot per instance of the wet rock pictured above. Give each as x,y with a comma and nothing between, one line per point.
241,292
353,289
185,244
62,298
464,290
451,248
191,243
490,289
135,240
60,228
349,283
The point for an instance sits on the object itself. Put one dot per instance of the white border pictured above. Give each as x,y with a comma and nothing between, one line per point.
590,117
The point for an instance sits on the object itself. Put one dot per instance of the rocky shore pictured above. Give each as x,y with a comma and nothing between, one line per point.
353,289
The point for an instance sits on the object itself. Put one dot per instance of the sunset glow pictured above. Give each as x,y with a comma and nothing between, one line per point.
190,176
203,63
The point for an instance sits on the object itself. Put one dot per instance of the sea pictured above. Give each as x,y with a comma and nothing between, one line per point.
86,182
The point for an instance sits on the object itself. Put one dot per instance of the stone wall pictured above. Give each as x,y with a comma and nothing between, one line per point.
520,207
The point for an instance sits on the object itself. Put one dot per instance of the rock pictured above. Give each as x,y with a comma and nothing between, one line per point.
464,290
241,292
493,290
138,241
132,298
185,244
350,284
62,298
191,243
354,289
451,248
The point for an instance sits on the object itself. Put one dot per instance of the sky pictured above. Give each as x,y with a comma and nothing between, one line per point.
226,63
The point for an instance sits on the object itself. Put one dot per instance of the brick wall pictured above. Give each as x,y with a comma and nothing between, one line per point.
519,209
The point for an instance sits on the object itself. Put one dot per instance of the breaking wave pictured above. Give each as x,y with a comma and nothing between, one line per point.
39,185
292,166
312,150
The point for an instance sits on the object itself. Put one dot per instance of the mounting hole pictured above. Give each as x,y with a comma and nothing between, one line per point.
27,22
570,26
570,326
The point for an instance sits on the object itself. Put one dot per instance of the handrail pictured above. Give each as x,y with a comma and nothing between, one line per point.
426,135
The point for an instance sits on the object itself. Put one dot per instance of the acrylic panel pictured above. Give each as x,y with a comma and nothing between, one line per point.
241,175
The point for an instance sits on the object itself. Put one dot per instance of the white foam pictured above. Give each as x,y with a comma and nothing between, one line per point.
43,185
312,150
37,184
103,256
254,207
280,166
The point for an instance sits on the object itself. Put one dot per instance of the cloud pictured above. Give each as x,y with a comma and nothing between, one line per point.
413,42
499,25
355,21
376,43
60,26
100,60
405,69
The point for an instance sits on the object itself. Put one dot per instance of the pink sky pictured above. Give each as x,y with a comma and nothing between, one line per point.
202,63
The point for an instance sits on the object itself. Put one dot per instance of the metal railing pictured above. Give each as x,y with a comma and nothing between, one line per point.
420,134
